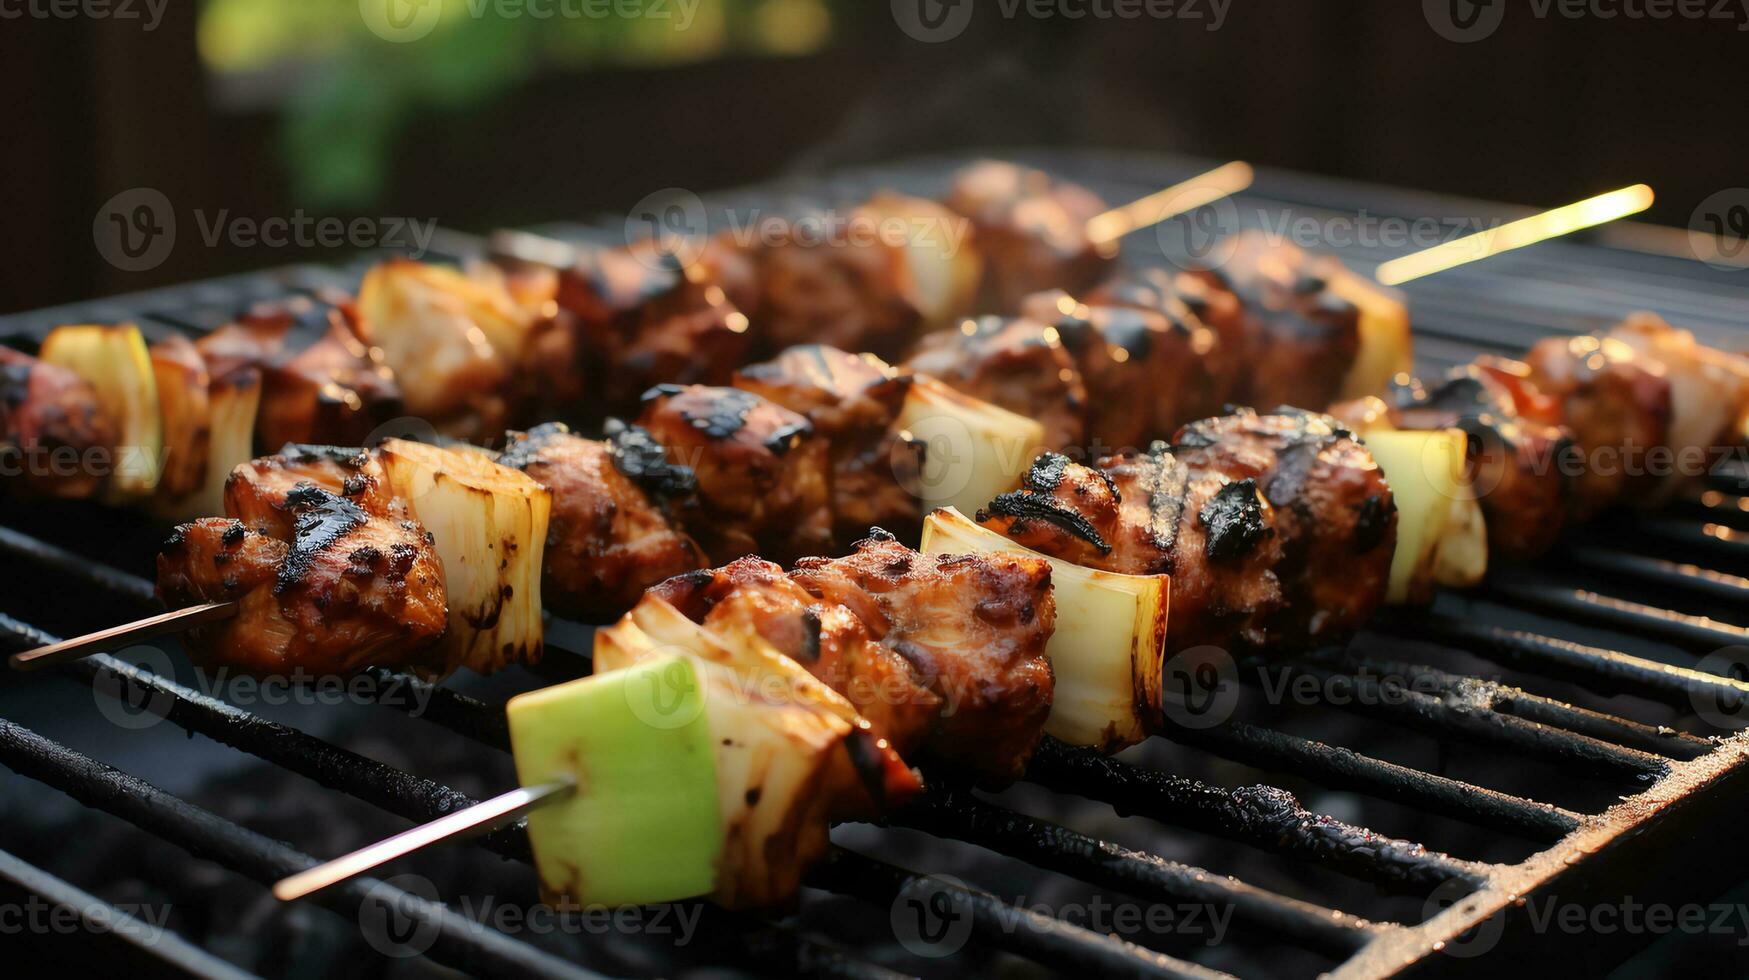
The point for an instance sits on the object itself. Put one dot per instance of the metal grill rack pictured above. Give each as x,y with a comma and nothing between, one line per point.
1548,737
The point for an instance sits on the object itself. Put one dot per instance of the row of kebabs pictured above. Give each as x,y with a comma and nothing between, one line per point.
477,351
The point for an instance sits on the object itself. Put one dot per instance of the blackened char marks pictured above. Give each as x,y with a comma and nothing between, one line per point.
322,519
1026,505
1233,520
637,454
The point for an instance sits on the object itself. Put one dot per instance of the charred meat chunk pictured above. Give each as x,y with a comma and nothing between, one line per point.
611,534
764,474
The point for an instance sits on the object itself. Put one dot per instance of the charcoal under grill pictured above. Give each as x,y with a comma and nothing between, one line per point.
1547,742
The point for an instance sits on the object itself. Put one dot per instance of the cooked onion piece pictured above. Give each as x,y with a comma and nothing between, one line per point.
973,451
114,361
1385,342
1441,537
644,825
185,409
233,403
1109,647
490,525
446,337
940,258
777,735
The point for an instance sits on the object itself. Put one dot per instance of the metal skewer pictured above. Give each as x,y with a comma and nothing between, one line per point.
174,621
482,817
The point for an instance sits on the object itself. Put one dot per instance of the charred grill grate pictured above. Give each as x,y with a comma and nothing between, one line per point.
1584,666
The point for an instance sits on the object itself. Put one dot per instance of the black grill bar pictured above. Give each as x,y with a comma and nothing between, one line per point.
1264,817
1496,696
1343,768
1600,670
960,816
1525,589
143,943
1038,937
1675,576
1474,719
459,942
383,786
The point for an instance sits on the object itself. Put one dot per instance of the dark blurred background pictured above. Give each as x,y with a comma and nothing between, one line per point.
275,108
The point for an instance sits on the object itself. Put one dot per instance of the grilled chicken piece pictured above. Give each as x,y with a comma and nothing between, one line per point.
1616,403
259,492
1334,514
1031,230
814,280
764,475
51,429
646,318
853,402
1517,462
1709,396
1301,337
957,662
1021,365
345,590
1212,319
1148,513
751,596
1140,366
611,534
320,383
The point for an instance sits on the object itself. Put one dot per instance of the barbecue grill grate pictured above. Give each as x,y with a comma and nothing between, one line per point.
1618,618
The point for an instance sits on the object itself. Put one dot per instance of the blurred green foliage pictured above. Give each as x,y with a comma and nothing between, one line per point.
356,82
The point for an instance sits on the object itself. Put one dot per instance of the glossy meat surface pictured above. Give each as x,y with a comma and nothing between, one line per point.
320,382
853,402
953,659
1019,364
646,318
814,281
1616,403
52,430
1334,514
1031,231
610,535
764,475
1300,336
346,590
1148,513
